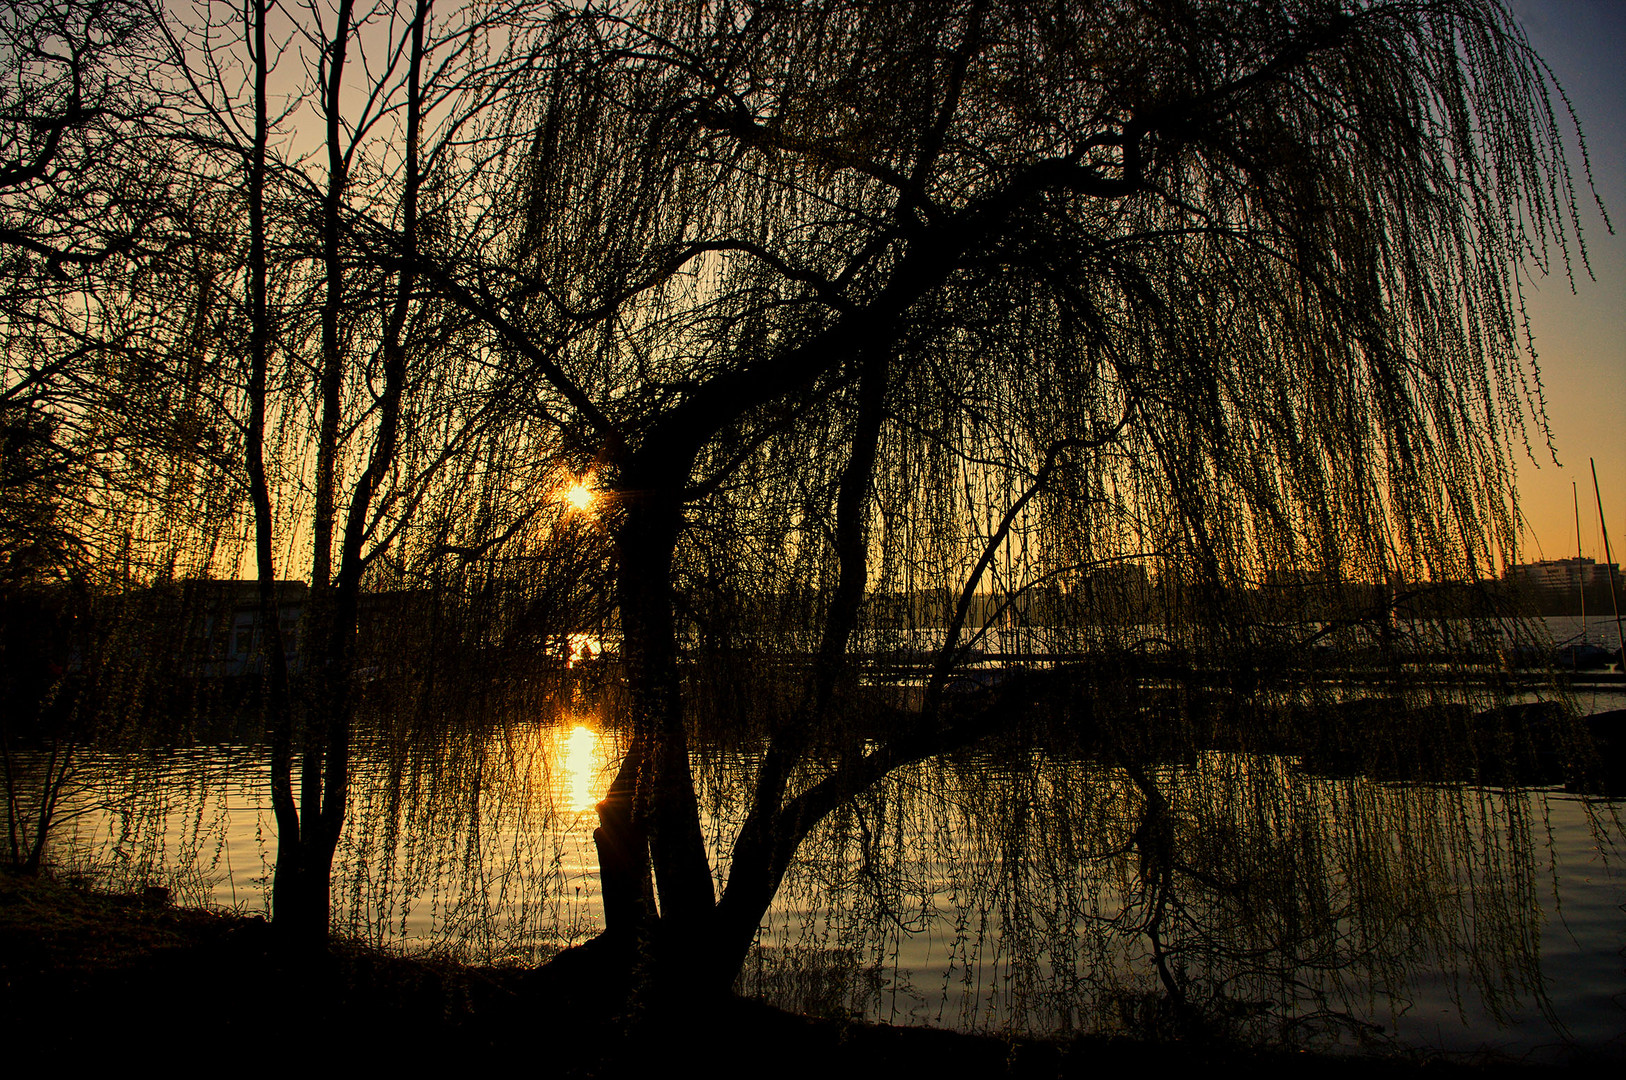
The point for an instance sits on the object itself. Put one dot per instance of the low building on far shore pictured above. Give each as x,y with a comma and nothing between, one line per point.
1571,574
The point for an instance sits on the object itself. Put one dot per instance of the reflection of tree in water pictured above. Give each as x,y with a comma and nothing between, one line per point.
1230,893
160,818
1026,886
465,839
470,842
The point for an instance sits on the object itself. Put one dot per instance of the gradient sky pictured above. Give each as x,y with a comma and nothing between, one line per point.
1581,336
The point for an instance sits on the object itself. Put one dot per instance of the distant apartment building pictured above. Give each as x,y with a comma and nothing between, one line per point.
1124,581
1562,574
225,625
225,639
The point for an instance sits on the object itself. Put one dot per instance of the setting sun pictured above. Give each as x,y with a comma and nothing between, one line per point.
580,496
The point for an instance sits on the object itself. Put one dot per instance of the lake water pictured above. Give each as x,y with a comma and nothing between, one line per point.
1016,891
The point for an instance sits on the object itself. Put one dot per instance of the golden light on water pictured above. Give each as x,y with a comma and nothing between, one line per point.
582,766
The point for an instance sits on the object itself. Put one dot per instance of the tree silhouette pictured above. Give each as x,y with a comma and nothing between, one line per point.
115,443
350,384
938,301
881,331
75,181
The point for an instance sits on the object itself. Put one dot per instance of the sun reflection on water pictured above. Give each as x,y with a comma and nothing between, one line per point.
582,764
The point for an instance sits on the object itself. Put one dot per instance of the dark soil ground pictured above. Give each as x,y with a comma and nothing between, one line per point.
124,980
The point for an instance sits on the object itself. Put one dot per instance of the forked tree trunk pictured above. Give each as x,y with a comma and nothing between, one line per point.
301,886
308,833
330,616
649,823
650,818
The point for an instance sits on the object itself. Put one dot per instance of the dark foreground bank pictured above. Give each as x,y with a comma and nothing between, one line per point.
91,976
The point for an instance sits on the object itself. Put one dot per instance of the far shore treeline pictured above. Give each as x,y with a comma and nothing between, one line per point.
190,634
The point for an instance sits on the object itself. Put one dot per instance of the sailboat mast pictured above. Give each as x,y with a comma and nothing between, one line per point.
1609,558
1580,568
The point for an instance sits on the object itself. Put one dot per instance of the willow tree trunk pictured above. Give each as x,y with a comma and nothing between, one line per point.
649,827
302,885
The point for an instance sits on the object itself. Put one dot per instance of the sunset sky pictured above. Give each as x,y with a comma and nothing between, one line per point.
1581,334
1581,337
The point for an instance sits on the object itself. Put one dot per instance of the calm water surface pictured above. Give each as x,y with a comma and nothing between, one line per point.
1010,892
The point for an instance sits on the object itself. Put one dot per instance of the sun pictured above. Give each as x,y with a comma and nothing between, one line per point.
580,497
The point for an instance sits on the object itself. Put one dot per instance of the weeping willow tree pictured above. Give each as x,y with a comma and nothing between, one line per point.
904,329
114,445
